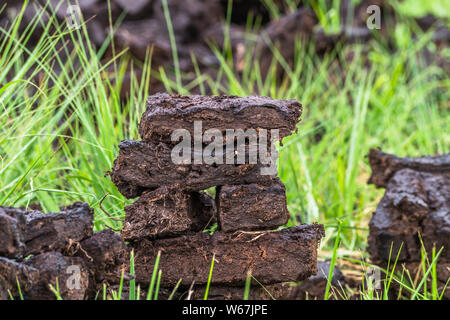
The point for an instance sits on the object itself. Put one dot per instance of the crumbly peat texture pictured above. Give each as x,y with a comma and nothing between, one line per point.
58,246
415,204
249,204
106,255
385,165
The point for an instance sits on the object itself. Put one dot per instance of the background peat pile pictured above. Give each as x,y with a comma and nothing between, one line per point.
199,26
172,211
414,209
58,249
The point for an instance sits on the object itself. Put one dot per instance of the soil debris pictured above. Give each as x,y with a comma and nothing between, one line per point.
166,112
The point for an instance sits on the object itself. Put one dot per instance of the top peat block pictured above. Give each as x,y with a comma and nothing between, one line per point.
168,112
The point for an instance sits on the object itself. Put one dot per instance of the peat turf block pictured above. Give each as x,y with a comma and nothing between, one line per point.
57,231
12,232
168,215
273,257
71,274
385,165
144,166
165,113
252,206
416,205
12,272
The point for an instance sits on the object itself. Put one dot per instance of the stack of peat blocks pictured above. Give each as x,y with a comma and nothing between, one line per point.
413,217
173,210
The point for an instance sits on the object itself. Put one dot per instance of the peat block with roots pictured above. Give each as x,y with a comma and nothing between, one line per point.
273,257
252,206
168,215
250,201
30,232
278,291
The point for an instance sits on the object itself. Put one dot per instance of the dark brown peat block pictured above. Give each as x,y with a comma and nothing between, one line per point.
273,257
252,206
168,215
385,165
414,210
56,231
168,112
56,270
416,204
